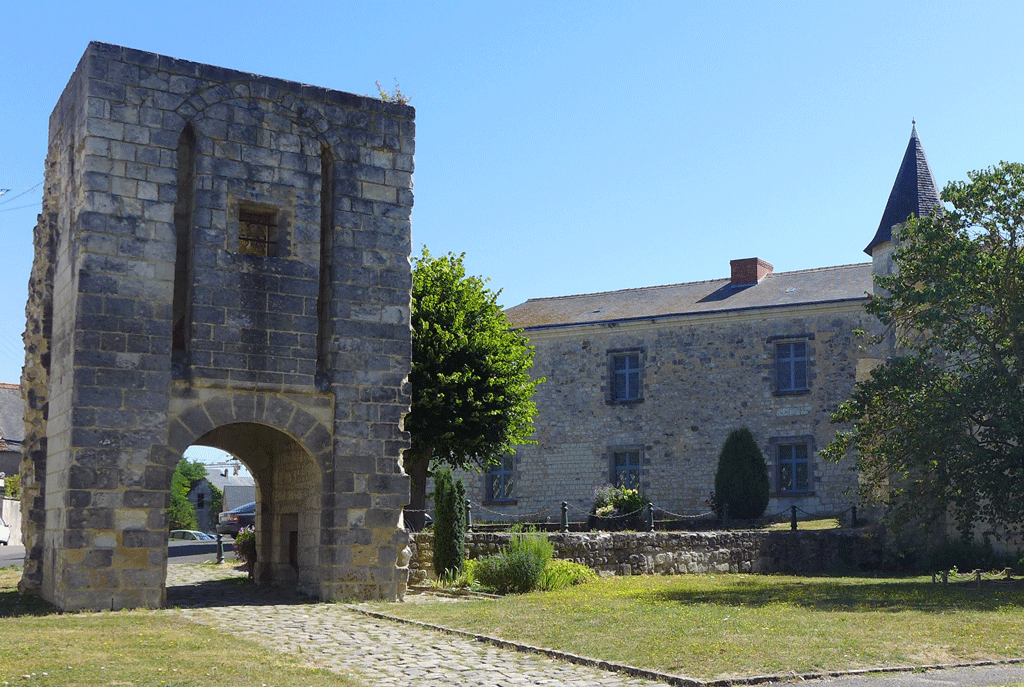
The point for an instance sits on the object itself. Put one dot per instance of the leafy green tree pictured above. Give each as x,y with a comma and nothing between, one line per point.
471,386
12,487
741,480
449,524
940,427
182,514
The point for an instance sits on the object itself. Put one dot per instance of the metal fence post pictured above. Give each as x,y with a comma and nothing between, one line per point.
565,516
650,517
469,515
220,548
792,518
853,510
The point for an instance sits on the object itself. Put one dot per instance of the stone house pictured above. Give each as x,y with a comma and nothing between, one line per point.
645,384
12,428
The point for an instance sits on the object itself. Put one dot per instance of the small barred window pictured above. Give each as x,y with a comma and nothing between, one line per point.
257,232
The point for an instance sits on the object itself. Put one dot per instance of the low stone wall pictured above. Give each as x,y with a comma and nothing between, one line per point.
677,553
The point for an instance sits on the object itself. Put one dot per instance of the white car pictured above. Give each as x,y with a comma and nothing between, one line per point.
5,532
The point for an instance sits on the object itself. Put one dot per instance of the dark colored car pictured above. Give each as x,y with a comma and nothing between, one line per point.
234,520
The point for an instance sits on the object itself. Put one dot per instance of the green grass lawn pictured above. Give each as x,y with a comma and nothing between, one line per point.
820,524
39,646
740,625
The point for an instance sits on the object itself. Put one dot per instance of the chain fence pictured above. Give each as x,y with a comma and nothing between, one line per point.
649,517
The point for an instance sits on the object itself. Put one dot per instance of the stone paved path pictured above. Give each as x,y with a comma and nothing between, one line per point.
385,653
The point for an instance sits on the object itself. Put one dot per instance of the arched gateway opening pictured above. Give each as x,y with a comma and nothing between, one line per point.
221,259
288,490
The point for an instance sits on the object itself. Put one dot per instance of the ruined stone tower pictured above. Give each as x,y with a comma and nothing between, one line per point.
221,260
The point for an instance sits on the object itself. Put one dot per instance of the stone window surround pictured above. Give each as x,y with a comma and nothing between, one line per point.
611,451
612,354
257,231
487,476
277,203
772,342
773,451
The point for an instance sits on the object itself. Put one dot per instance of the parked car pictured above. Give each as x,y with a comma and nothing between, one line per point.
189,535
234,520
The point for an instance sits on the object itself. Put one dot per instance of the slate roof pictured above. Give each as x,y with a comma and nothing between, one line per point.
12,412
215,475
804,287
913,193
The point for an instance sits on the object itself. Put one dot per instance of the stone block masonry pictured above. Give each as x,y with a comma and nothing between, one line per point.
222,259
681,553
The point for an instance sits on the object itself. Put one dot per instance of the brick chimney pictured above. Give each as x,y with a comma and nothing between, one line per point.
749,270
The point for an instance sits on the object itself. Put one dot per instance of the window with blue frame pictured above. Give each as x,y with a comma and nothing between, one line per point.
794,468
626,469
500,480
791,367
625,376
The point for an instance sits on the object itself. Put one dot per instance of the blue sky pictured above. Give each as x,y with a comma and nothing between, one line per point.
571,147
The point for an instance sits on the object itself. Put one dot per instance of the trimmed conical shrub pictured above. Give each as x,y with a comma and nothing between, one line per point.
742,477
449,524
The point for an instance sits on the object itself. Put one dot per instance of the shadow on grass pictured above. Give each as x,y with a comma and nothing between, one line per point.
13,604
824,594
235,591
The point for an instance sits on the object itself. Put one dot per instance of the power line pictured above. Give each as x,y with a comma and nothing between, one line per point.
28,190
20,207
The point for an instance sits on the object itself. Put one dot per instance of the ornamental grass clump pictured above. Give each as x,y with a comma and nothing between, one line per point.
519,568
560,574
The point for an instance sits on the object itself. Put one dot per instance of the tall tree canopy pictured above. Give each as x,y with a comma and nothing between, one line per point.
942,424
471,386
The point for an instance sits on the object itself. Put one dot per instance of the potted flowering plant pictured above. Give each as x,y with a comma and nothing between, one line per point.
245,548
617,508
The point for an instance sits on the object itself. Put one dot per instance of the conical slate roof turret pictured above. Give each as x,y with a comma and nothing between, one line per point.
913,193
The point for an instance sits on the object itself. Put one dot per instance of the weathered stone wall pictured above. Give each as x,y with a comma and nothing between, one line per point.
702,376
152,325
678,553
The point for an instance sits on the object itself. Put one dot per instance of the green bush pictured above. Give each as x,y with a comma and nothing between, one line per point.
533,543
611,500
742,477
449,524
519,567
12,487
560,574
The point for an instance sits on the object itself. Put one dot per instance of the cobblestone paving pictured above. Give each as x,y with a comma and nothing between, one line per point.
384,653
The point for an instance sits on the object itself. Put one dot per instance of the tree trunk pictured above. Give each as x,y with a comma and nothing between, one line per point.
417,467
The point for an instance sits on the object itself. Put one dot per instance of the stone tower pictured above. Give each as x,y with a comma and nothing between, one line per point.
221,260
913,193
